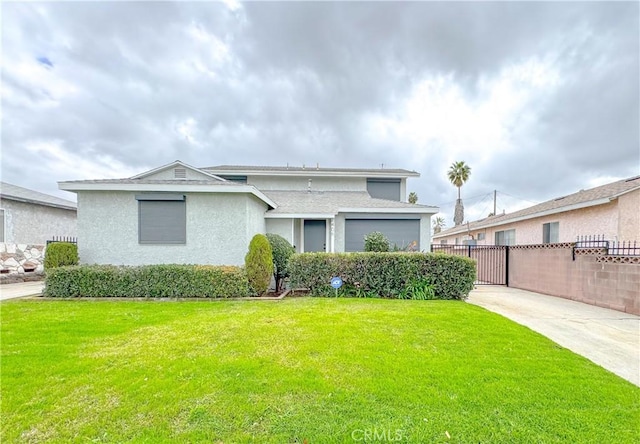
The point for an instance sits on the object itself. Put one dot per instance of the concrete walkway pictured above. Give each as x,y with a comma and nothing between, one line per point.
609,338
12,291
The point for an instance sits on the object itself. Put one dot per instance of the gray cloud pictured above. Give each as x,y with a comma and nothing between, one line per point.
141,84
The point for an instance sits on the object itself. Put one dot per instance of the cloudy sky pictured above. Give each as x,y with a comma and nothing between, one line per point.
541,99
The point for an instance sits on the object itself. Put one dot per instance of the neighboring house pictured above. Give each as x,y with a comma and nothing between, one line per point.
30,217
180,214
610,210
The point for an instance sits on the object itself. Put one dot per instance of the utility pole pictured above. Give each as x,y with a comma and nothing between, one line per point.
494,201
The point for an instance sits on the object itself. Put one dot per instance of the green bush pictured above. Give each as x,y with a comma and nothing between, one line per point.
376,241
59,254
259,263
282,251
152,281
388,275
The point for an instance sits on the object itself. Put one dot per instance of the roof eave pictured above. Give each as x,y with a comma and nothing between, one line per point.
318,173
177,187
421,210
173,165
38,202
463,228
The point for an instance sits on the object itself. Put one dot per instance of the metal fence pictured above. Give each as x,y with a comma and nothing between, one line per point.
73,240
614,248
492,261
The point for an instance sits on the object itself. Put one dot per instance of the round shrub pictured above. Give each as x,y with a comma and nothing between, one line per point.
259,263
282,251
59,254
376,241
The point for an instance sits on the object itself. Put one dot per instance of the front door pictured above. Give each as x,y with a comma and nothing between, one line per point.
315,235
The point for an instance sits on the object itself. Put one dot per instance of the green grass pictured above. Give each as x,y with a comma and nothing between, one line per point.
302,370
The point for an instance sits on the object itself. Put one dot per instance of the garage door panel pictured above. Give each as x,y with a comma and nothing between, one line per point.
399,231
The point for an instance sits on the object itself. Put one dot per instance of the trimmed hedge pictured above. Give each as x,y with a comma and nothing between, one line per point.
59,254
148,281
282,250
258,264
386,275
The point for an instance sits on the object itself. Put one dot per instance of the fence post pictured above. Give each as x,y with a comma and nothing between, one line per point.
506,265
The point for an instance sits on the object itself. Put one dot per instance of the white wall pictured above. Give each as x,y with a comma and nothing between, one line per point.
301,183
27,223
255,222
425,232
219,229
339,233
282,227
169,174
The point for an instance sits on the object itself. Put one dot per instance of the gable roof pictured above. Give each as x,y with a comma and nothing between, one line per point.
582,199
20,194
330,203
309,171
175,164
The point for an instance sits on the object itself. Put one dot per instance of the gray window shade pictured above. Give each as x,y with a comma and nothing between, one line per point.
506,237
162,221
384,188
550,233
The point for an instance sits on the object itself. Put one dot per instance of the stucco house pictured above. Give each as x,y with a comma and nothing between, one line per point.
610,210
31,217
177,213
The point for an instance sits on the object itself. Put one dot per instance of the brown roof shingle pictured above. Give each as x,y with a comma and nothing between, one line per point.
582,197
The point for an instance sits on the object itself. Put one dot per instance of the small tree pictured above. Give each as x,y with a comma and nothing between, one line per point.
438,224
282,251
413,197
59,254
376,241
259,263
458,174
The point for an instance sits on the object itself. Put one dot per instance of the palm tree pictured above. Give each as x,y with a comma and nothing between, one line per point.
413,197
458,174
438,224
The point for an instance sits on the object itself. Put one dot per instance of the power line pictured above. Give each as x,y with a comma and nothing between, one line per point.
519,198
449,203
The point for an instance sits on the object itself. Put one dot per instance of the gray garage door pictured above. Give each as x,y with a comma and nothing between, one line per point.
399,231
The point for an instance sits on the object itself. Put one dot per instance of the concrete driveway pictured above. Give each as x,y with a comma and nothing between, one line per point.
609,338
12,291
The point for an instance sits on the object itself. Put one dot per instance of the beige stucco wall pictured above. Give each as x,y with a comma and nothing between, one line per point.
629,216
599,220
301,183
219,229
27,223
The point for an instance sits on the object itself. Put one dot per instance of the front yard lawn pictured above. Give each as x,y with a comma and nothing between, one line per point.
311,370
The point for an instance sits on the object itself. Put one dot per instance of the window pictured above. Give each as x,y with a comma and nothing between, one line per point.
239,179
480,236
162,219
550,232
456,241
506,237
384,188
443,242
1,225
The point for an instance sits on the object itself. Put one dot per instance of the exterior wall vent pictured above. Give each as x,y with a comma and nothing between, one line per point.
180,173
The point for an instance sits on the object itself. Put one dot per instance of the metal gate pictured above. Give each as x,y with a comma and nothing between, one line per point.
492,261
